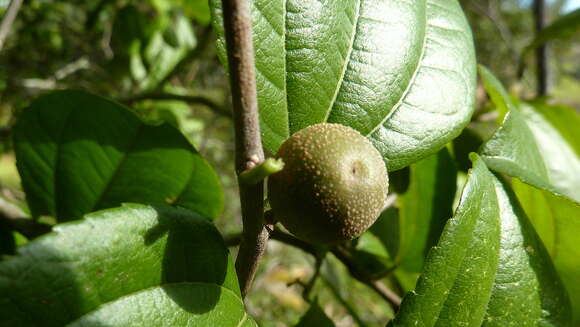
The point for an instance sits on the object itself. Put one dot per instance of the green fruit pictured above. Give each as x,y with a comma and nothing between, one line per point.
333,186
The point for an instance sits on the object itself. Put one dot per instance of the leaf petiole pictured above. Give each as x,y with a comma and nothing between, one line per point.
258,173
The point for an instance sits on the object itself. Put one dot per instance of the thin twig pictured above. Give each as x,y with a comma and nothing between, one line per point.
310,285
249,151
341,254
8,20
280,236
359,273
178,97
14,219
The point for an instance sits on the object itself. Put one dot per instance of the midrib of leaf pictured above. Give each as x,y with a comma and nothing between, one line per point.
288,130
118,167
456,274
346,61
97,308
411,80
243,320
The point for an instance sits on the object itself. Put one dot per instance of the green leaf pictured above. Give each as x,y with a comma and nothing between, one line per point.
268,18
386,229
315,317
403,237
350,293
180,304
459,272
536,143
165,49
146,260
489,268
197,9
527,290
496,91
563,120
128,27
376,247
556,220
469,141
563,27
425,208
513,150
528,147
77,153
562,158
402,73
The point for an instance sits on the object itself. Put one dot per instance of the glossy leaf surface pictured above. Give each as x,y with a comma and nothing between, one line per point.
557,221
489,267
78,153
457,280
180,304
401,73
88,272
527,290
537,144
555,130
496,91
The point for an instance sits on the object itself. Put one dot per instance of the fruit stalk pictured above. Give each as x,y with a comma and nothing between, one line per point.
249,152
260,172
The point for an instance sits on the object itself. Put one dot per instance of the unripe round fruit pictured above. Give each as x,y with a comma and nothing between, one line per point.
333,186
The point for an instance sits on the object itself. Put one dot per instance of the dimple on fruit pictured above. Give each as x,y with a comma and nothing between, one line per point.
333,186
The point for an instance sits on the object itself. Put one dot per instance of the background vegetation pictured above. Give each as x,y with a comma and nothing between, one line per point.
159,57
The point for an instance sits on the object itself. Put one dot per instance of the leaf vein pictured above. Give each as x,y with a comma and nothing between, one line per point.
346,61
411,81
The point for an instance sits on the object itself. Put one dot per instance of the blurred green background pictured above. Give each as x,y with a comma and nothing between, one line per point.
158,57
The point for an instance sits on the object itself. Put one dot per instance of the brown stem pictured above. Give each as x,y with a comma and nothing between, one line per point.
286,238
249,152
